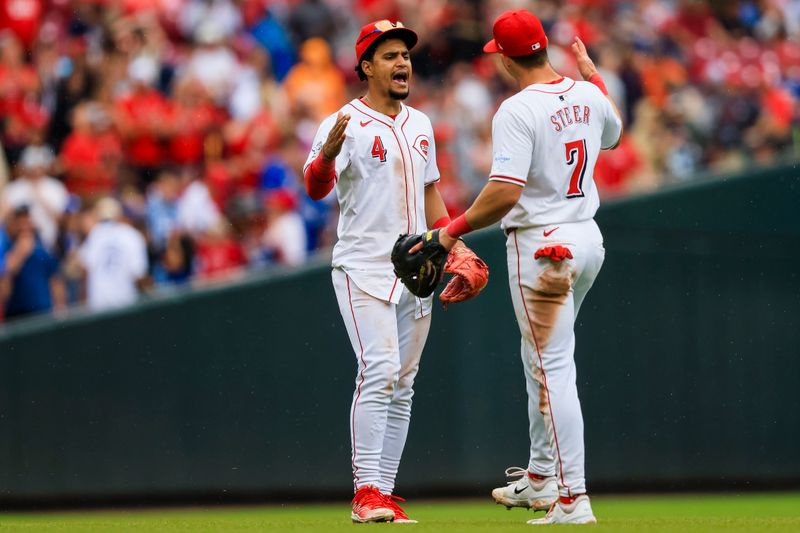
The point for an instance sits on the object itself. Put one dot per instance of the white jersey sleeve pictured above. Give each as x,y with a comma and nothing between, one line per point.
343,159
428,149
512,148
612,126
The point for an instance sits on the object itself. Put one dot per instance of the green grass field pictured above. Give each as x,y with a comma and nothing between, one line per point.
776,512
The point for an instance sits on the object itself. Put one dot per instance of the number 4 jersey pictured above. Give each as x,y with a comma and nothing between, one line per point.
381,173
546,138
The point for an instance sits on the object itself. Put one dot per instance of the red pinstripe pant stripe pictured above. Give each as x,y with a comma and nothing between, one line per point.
358,388
541,366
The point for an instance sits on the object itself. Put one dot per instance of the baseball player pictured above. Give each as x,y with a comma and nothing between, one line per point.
545,142
380,156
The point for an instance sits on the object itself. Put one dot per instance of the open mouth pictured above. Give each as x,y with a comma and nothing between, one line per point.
400,78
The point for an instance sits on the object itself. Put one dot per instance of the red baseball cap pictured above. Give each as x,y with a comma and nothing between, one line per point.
372,31
517,33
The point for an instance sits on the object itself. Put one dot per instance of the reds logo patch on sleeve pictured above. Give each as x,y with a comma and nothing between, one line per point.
421,145
316,150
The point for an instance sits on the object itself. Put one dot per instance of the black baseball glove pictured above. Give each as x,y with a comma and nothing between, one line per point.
421,271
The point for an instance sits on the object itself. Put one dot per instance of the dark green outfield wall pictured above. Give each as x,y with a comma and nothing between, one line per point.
688,371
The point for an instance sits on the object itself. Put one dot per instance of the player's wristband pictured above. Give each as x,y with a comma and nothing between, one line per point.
458,227
442,222
597,79
319,178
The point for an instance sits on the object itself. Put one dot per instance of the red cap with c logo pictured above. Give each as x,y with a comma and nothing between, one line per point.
517,33
373,30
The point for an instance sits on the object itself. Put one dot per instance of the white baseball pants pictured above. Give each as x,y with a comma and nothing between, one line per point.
388,341
547,296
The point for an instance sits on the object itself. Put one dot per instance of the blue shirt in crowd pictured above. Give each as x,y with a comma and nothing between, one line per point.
30,287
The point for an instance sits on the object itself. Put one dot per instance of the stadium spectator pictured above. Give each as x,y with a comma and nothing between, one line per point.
92,153
192,115
45,196
274,38
141,120
218,254
22,18
20,107
114,257
76,84
315,84
162,209
285,236
212,62
31,283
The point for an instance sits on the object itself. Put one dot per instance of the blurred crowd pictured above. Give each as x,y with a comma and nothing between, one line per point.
148,144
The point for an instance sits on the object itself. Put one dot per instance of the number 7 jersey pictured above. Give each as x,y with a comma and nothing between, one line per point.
546,139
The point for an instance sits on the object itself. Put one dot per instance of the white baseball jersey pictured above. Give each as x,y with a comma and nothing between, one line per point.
546,138
115,257
381,174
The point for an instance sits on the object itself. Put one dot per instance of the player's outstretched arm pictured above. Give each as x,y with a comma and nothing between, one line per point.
492,204
589,73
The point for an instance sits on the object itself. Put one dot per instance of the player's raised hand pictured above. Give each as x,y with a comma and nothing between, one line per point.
585,64
333,144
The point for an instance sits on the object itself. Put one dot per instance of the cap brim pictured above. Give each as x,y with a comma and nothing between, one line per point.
491,47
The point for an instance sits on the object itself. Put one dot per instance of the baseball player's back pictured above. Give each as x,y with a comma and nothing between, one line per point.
547,138
545,142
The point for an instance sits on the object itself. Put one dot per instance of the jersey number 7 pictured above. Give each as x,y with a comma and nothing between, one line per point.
576,155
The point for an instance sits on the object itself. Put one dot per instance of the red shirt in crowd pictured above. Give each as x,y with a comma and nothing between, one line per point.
192,123
219,256
258,137
22,17
90,162
614,168
144,117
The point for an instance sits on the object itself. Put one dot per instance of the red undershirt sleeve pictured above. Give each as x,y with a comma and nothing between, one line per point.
320,177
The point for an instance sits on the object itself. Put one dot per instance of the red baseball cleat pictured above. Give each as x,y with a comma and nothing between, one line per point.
369,505
400,516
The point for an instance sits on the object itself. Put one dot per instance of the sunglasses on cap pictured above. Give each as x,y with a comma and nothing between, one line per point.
380,27
373,31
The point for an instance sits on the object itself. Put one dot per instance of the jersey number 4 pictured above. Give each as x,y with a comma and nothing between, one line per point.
378,150
576,155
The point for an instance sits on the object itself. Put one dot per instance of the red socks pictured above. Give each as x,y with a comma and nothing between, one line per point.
567,500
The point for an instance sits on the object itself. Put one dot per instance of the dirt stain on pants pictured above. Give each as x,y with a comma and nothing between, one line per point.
546,301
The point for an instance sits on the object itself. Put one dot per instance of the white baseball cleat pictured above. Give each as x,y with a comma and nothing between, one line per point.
526,492
369,505
577,512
